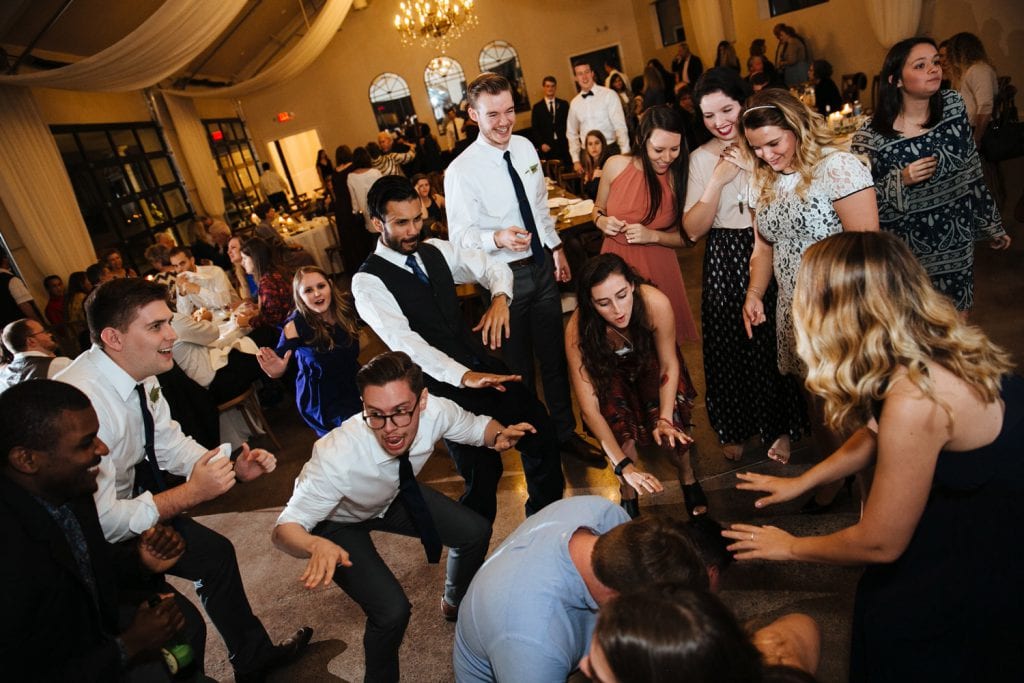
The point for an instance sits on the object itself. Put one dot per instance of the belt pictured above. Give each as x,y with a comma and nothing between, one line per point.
521,263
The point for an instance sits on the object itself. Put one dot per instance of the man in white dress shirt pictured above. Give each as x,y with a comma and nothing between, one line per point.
198,286
405,291
595,107
130,326
361,478
496,201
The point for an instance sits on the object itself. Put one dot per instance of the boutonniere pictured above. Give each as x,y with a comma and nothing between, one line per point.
532,169
154,394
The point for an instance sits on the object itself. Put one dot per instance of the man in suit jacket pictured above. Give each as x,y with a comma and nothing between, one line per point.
60,579
686,66
548,121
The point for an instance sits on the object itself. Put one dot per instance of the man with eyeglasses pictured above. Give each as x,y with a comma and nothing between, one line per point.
361,478
35,353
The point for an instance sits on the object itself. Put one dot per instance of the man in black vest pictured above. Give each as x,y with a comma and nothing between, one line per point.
548,121
35,353
405,291
15,300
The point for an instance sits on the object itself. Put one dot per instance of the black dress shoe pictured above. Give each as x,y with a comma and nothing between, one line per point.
285,652
576,446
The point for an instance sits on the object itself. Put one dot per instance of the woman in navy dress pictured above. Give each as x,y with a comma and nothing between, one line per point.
937,420
322,336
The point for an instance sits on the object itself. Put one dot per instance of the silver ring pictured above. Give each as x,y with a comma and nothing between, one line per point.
751,535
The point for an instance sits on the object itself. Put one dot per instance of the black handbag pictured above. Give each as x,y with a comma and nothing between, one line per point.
1004,137
1002,140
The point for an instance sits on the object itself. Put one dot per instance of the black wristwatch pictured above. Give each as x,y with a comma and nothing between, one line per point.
622,464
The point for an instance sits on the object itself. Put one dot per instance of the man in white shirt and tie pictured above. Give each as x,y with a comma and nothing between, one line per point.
361,478
130,327
496,201
548,122
595,108
198,286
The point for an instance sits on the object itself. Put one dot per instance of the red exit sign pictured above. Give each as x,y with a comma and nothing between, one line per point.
217,135
285,116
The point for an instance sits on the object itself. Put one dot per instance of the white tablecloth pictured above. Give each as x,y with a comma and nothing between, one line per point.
315,236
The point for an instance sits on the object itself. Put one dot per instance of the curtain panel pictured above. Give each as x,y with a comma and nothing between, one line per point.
35,189
326,24
196,152
167,42
893,21
708,29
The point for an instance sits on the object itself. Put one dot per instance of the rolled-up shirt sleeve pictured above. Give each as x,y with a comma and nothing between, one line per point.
317,491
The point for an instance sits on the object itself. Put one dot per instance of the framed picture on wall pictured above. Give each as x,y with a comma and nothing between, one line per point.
597,60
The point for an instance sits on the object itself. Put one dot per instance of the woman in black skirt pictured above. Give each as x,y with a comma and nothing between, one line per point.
746,394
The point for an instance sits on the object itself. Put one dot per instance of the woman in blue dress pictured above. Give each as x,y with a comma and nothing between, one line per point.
322,335
926,169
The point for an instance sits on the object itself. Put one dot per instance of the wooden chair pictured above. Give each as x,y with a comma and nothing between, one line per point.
252,413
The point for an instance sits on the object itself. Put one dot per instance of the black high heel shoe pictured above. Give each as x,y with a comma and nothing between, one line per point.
693,498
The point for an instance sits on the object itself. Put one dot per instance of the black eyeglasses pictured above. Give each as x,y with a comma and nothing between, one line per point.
401,418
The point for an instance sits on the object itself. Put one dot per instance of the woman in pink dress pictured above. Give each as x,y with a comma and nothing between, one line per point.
639,209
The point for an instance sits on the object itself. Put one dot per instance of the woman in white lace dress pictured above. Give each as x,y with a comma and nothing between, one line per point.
802,190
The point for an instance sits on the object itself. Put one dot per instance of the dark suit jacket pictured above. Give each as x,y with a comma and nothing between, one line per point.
693,70
52,630
544,128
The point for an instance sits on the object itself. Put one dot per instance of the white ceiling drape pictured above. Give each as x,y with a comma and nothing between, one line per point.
165,43
708,29
196,151
309,47
35,189
893,21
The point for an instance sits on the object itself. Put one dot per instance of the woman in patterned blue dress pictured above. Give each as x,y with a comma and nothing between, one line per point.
927,172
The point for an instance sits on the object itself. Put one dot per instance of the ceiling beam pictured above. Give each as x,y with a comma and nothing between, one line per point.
32,43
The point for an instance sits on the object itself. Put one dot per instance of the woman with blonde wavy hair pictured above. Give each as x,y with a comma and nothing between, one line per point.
323,335
935,413
803,188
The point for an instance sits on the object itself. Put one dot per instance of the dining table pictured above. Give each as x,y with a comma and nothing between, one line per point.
315,236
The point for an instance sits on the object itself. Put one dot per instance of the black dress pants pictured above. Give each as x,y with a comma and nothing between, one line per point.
481,467
209,561
370,582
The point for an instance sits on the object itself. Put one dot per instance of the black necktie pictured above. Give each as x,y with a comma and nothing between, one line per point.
147,475
525,210
416,506
410,261
588,94
554,119
79,546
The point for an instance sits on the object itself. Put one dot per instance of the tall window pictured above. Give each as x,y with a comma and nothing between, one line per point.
501,58
126,186
391,101
237,166
446,85
670,21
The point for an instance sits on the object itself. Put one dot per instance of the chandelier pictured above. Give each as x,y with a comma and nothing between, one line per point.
434,24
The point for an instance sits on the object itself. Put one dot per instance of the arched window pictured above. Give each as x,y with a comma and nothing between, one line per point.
501,58
391,101
446,86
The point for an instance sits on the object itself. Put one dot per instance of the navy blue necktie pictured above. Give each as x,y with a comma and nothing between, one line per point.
416,506
410,261
525,210
149,477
